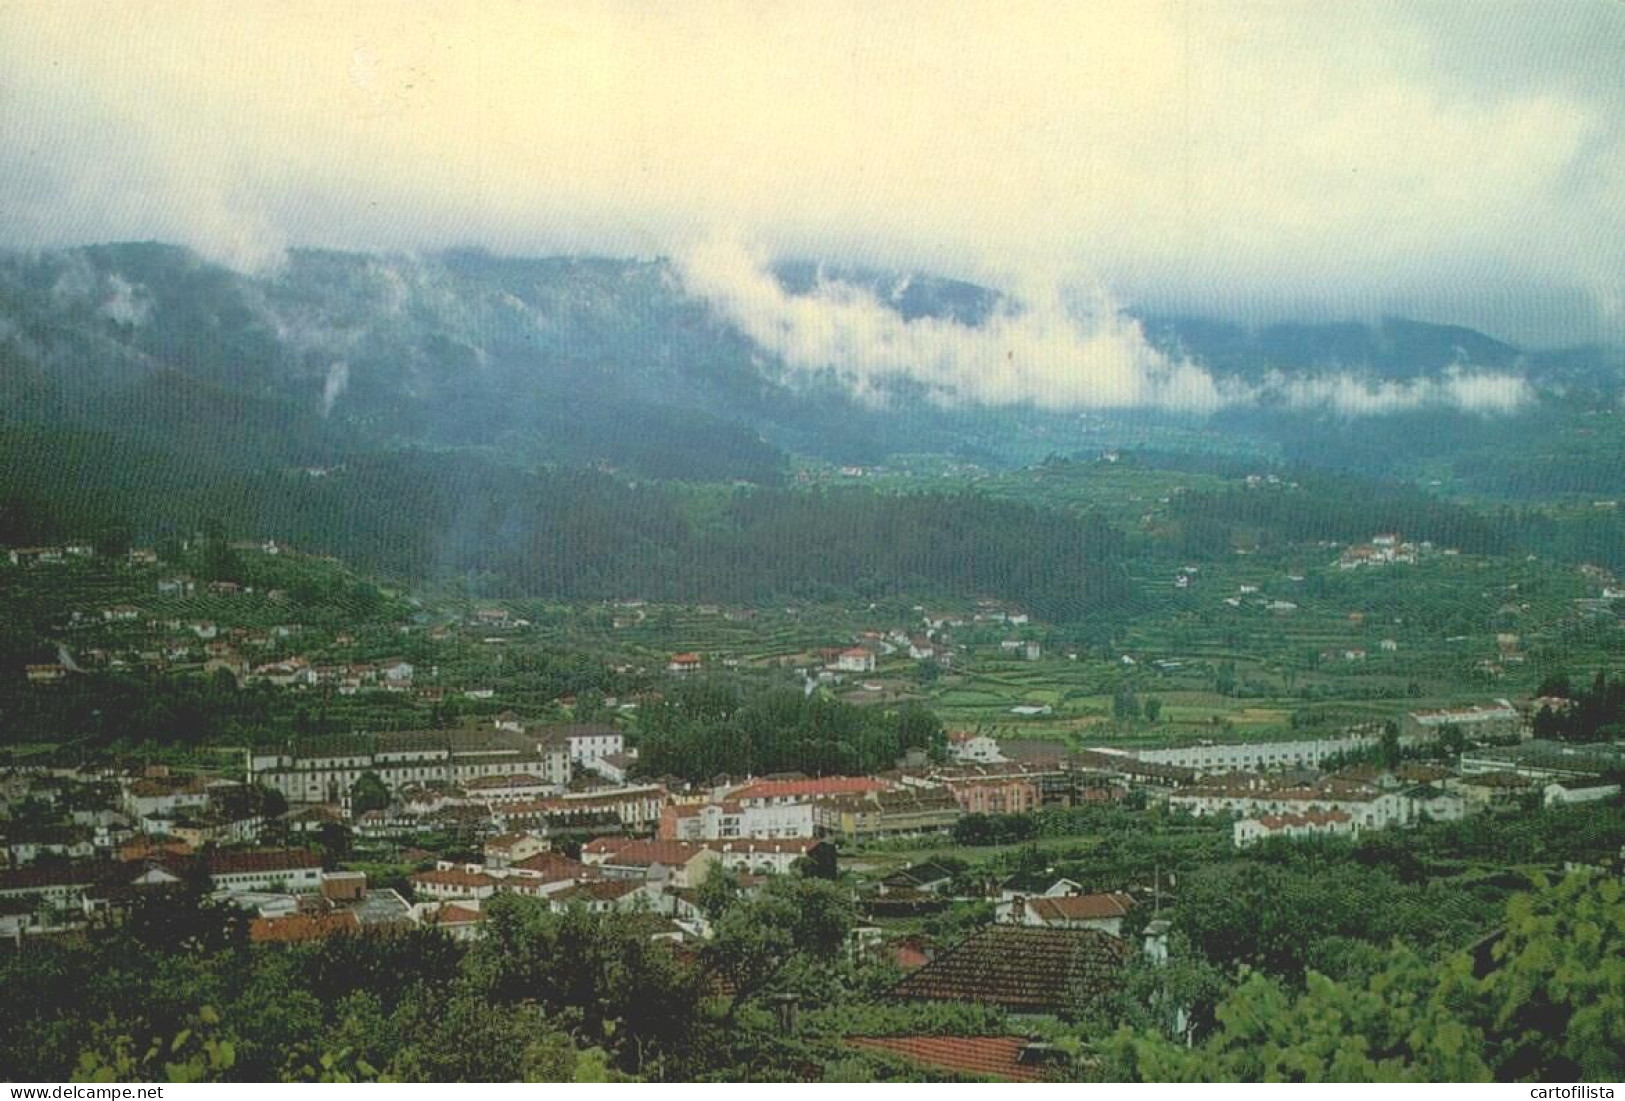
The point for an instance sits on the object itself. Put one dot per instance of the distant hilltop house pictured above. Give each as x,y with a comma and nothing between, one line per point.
684,663
1385,548
966,745
36,556
921,648
855,660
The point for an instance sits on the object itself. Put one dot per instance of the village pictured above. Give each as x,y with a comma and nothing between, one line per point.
412,766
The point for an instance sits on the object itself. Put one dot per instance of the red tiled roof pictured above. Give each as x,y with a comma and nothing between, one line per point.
14,879
301,927
502,841
909,956
264,860
975,1056
828,785
1025,969
551,866
452,914
1083,907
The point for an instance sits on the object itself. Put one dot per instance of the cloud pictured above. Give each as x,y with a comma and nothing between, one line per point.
1043,346
1033,349
1471,392
1261,160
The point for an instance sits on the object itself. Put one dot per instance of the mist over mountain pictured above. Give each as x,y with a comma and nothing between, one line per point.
648,368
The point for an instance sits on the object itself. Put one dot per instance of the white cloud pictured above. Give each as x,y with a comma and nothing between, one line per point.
1264,158
1043,347
1349,395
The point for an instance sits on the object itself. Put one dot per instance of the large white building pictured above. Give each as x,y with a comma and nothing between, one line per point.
1367,807
730,821
588,743
1254,756
295,871
325,774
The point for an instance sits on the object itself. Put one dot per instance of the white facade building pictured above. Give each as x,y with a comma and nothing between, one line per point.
1255,756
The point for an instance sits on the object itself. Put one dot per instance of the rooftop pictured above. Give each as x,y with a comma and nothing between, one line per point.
1116,904
809,789
1023,969
228,862
997,1057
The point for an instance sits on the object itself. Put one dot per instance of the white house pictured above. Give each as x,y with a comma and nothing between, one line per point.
963,745
731,820
1250,831
855,660
1071,911
295,871
590,744
762,856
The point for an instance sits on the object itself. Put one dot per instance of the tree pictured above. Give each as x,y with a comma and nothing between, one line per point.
368,793
195,1054
631,995
333,838
1555,684
819,863
756,939
1548,1004
1153,709
1556,1001
1451,740
1124,705
1399,1026
1389,745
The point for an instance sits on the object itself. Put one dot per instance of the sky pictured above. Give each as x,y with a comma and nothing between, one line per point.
1460,162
